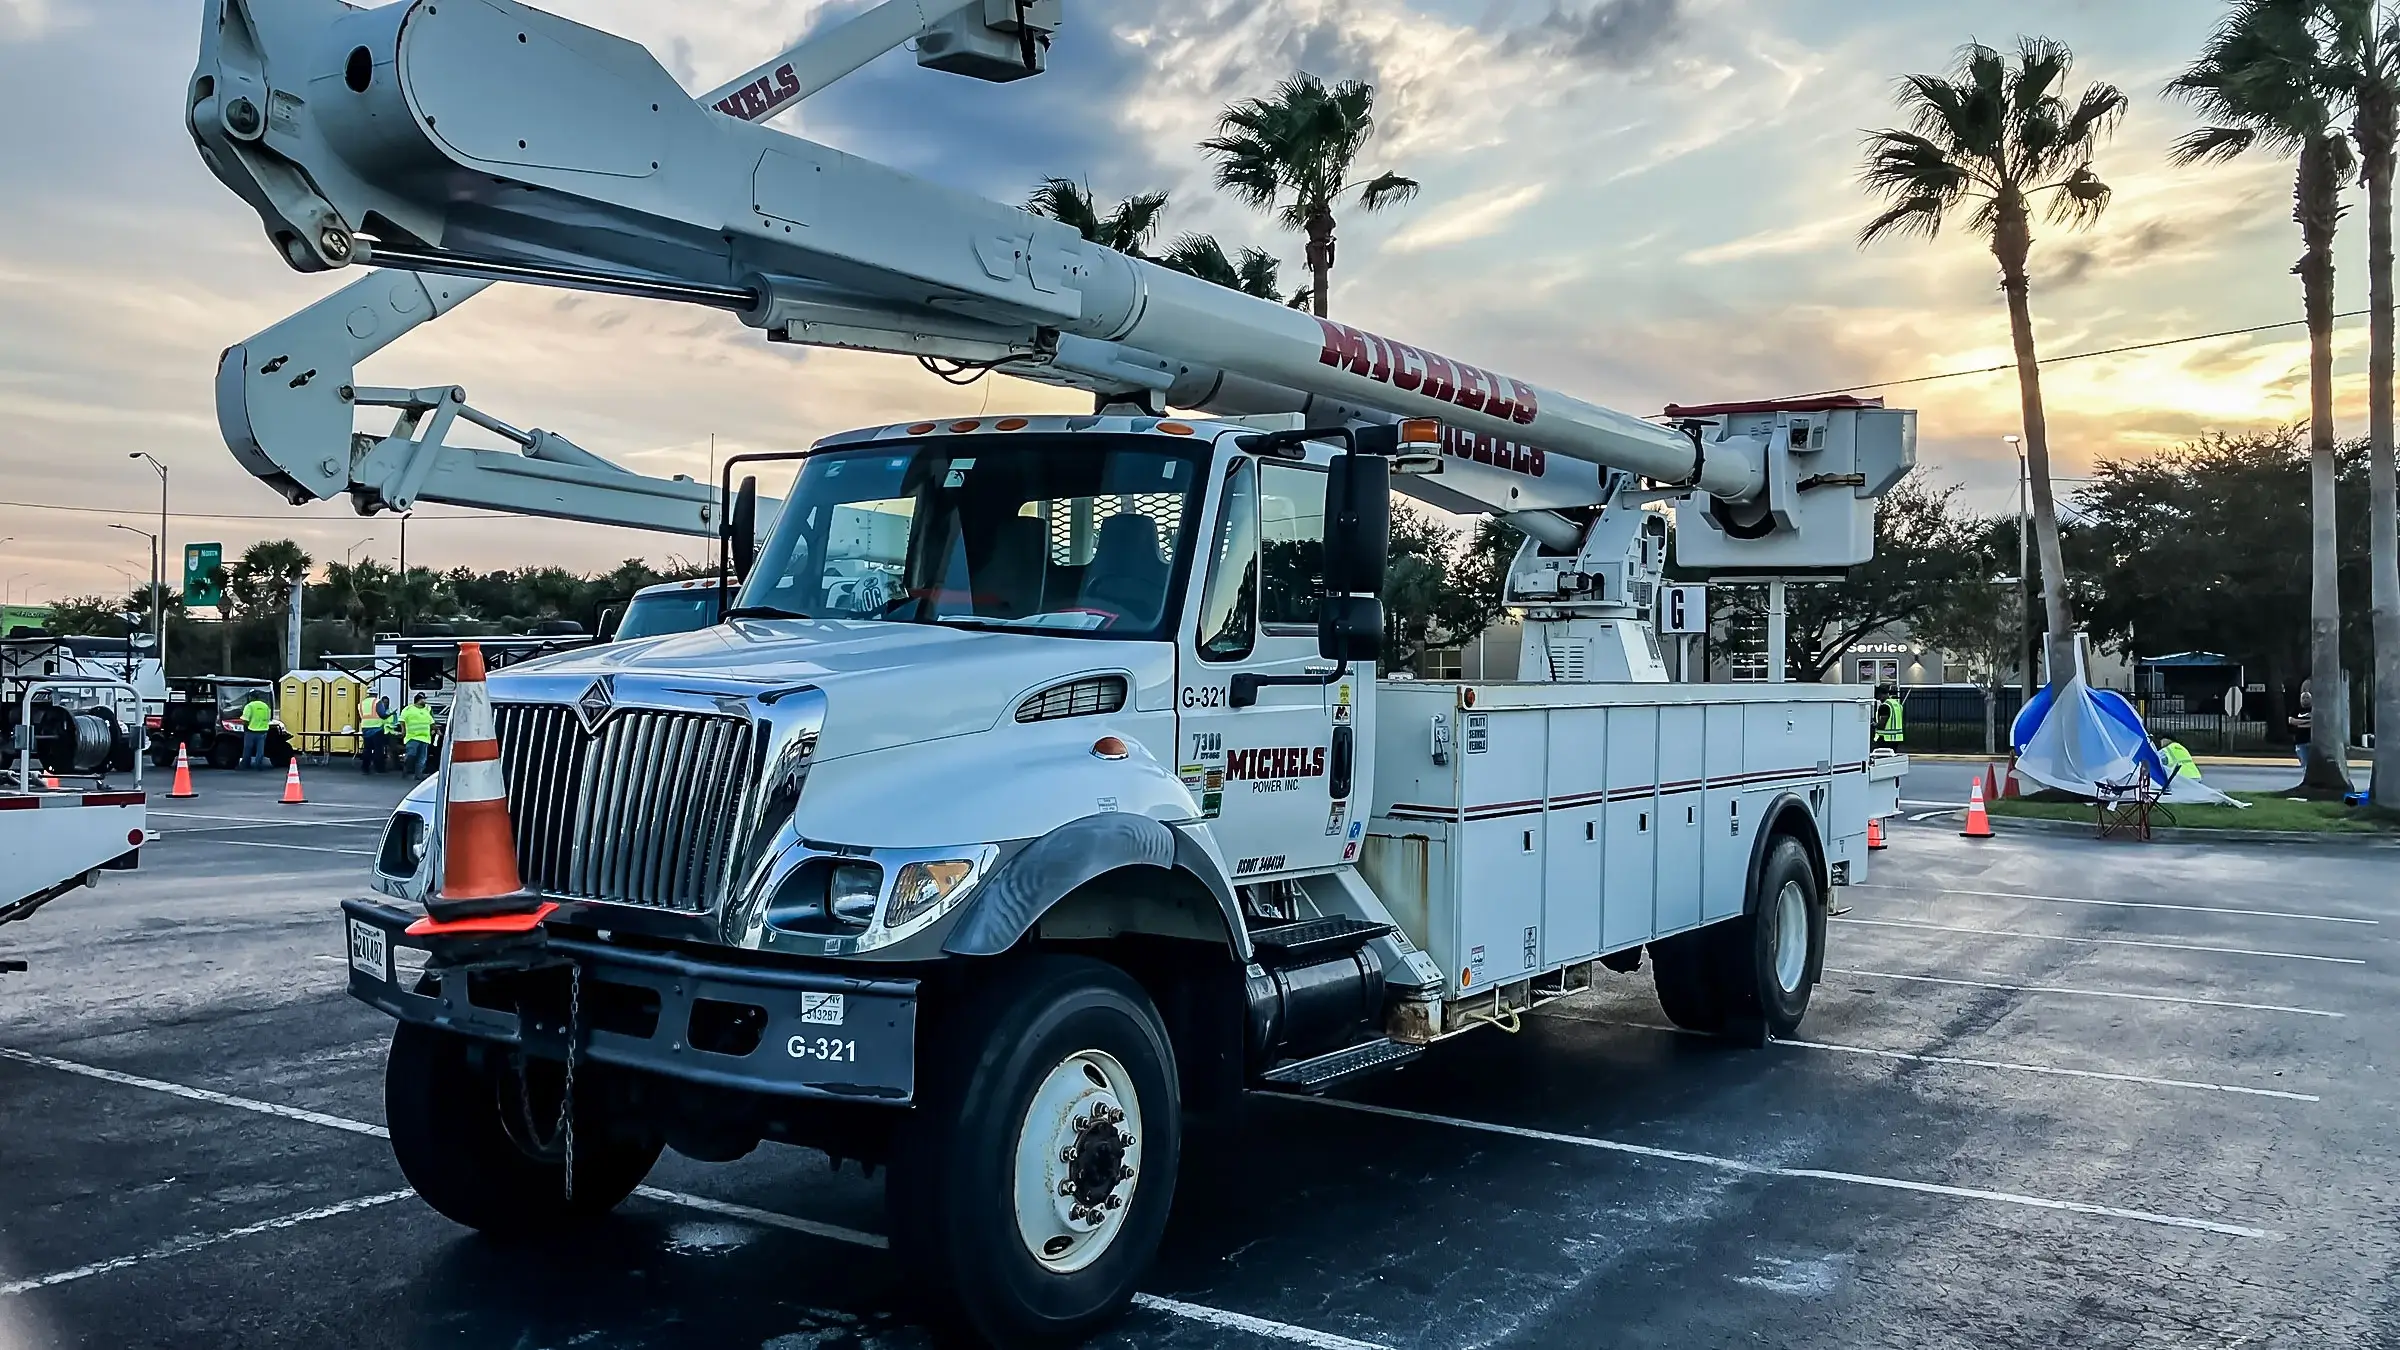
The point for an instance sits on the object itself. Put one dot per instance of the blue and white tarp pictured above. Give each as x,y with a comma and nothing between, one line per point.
2076,738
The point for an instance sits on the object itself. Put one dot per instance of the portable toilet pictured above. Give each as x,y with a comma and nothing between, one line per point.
319,709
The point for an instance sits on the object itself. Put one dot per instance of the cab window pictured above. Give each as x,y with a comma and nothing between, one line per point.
1292,544
1229,604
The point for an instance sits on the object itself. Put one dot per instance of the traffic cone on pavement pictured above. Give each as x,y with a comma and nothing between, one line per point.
2008,784
481,890
1875,841
1979,825
183,773
291,784
49,780
1991,782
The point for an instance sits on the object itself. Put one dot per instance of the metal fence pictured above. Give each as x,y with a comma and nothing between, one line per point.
1948,719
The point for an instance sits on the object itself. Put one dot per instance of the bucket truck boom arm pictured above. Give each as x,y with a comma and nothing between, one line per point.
485,139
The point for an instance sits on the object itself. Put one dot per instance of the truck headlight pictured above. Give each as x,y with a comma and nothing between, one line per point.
923,886
851,893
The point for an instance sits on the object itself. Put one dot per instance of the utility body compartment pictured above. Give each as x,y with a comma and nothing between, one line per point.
1518,829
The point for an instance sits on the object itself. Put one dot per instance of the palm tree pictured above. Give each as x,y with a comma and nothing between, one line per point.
361,591
2265,80
2365,38
1257,273
1292,153
1128,228
1999,136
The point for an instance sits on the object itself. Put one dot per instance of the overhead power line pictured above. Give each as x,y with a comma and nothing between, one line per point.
2080,356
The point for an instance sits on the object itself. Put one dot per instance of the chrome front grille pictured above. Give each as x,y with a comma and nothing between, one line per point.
645,811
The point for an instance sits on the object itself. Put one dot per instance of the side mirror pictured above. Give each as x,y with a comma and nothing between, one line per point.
1350,628
741,528
609,619
1358,524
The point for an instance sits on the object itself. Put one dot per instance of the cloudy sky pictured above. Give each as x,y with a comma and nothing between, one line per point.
1636,201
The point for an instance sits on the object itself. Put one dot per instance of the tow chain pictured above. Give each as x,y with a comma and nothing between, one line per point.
566,1093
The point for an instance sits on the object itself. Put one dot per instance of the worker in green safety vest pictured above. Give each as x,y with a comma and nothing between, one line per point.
416,735
2180,764
1890,719
257,718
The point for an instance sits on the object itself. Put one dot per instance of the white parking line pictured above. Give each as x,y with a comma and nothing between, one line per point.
2087,993
1957,1061
1196,1312
181,830
194,1242
2121,904
296,848
2104,942
267,820
1962,1062
1806,1173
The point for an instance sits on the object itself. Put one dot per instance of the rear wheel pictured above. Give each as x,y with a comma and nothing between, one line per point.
1032,1180
480,1141
224,752
1758,969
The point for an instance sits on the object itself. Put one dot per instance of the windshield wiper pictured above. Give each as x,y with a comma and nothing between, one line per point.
763,612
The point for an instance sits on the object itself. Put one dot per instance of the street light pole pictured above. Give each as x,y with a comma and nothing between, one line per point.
157,598
158,580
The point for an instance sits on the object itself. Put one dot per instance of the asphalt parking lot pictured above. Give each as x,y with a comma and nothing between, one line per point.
2052,1093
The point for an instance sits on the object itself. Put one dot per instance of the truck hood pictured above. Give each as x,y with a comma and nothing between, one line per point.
885,684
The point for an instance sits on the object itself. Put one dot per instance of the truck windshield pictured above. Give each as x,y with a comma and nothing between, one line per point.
658,613
1080,534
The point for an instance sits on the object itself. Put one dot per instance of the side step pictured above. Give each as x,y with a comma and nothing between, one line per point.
1292,944
1313,1077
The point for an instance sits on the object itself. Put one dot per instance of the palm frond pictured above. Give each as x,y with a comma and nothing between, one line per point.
1912,215
1070,204
2078,199
1135,222
2212,145
1387,189
1259,274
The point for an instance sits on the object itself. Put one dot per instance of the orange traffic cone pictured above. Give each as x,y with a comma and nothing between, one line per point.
2008,784
1991,782
481,889
1979,825
49,780
183,773
291,784
1875,841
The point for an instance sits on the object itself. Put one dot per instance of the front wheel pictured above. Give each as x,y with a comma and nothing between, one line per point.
1033,1178
480,1142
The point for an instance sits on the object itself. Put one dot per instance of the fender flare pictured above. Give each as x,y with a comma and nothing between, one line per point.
1789,814
1015,896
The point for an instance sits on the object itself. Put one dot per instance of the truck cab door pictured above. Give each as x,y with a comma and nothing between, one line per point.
1263,775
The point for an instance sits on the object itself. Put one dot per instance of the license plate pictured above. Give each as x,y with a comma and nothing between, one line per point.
370,950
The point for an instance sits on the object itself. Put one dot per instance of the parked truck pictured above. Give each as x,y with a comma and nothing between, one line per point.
1038,786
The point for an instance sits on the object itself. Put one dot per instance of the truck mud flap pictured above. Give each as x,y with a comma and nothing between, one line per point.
783,1032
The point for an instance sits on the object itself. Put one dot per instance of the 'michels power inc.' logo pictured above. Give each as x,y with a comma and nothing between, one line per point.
1275,770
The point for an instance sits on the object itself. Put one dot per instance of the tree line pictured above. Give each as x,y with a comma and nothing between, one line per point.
1999,139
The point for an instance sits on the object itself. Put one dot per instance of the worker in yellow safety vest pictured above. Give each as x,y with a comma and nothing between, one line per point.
257,717
416,735
370,735
2180,764
1890,720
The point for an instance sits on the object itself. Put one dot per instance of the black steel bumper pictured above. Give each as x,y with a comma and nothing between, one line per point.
779,1031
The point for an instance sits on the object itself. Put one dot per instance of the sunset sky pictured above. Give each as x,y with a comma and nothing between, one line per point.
1636,201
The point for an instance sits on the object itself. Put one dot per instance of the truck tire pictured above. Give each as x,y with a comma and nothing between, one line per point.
1684,970
1031,1182
1758,969
162,756
455,1145
224,752
1775,950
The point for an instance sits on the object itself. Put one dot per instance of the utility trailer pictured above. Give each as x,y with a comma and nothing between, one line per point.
1037,786
54,840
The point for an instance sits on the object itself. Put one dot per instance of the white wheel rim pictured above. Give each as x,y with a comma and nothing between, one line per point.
1070,1202
1791,936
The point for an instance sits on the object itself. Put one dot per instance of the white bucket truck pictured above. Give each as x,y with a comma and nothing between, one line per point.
985,841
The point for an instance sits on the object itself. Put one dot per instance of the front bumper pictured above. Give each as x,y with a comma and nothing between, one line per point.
775,1030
